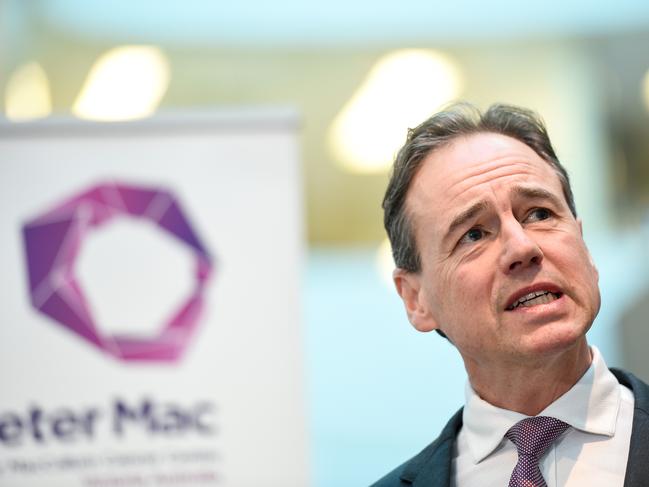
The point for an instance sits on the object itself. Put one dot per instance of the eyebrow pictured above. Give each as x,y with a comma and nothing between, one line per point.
520,191
467,215
536,193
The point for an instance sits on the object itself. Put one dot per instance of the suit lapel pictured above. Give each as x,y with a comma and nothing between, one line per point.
437,471
432,467
637,467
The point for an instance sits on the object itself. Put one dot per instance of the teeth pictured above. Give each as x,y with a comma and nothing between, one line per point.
534,298
542,299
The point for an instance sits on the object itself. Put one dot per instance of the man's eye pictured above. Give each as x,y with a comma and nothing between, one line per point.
538,214
472,235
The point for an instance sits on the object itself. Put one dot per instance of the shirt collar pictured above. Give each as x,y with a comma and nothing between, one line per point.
591,405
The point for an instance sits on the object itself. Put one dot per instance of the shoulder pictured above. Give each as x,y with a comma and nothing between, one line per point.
392,479
434,461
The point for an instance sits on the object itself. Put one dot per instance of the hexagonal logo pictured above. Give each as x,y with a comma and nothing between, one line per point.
52,243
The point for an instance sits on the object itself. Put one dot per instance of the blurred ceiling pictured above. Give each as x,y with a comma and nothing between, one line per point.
581,67
335,22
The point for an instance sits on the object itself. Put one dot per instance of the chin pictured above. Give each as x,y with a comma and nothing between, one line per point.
554,339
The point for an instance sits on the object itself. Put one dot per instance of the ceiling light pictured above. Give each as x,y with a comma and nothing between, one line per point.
403,88
125,83
27,94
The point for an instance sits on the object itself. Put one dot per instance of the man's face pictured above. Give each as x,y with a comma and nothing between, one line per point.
493,230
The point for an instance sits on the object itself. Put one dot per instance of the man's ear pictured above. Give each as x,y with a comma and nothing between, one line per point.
408,286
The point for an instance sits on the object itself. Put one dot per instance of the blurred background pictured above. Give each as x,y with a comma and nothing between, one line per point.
359,73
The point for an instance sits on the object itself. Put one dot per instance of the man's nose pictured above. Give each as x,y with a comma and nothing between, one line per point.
519,250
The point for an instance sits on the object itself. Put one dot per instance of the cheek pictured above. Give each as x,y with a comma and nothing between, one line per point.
458,291
574,256
574,262
471,287
592,280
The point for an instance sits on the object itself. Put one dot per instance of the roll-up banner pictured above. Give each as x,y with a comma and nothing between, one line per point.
150,302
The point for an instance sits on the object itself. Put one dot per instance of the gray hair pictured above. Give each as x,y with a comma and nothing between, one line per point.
438,131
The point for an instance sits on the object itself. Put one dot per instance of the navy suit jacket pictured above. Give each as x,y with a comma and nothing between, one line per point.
432,467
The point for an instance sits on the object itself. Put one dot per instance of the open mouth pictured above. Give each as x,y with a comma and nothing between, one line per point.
534,299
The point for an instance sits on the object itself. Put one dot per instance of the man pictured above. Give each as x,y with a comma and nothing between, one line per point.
490,254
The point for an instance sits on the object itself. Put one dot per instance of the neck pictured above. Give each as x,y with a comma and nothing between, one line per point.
529,386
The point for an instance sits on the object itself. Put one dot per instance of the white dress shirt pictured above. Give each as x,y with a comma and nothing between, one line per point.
593,451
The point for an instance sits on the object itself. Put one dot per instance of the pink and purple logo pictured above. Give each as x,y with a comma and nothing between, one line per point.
52,244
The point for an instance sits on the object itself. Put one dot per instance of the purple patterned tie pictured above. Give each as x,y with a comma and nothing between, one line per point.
532,436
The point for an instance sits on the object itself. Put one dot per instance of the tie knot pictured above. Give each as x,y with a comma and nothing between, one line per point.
532,436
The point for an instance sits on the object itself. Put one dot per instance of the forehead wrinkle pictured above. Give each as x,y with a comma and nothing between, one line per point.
419,197
491,173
